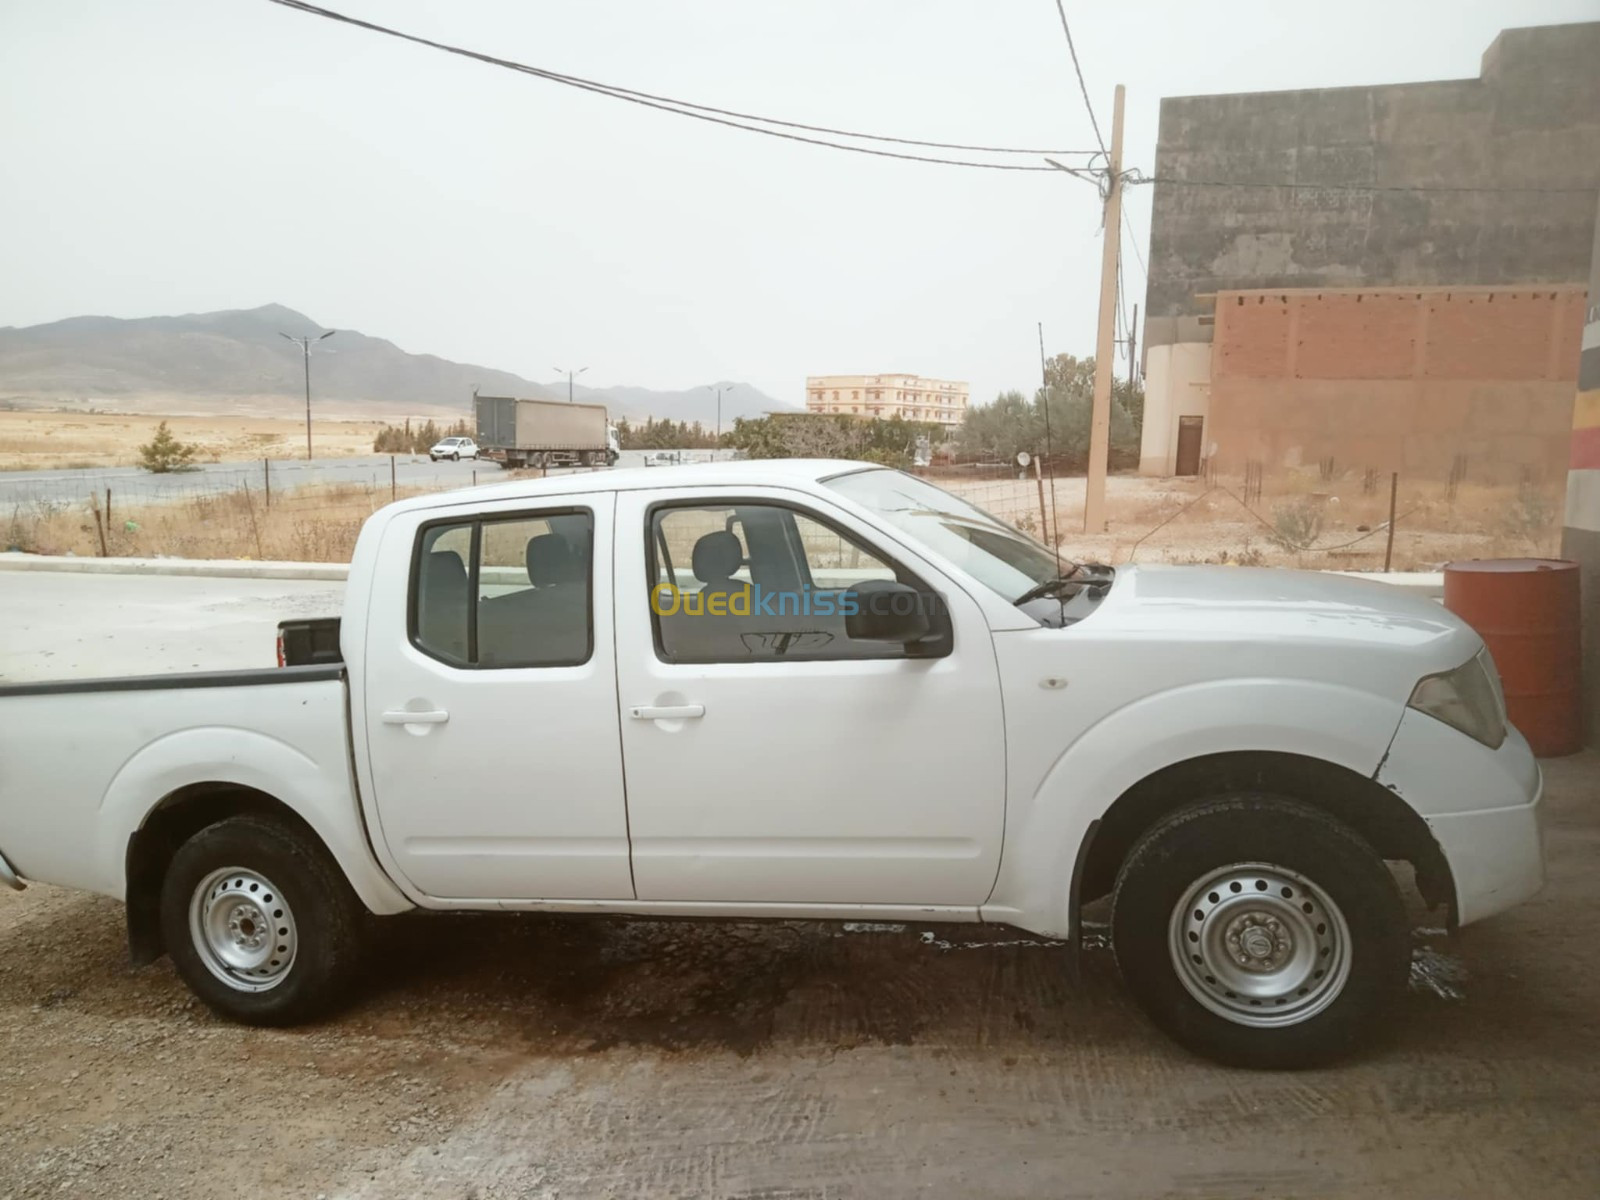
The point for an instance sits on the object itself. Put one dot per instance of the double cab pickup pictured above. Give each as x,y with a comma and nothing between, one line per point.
801,689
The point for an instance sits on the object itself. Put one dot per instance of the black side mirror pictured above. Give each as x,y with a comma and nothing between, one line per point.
882,610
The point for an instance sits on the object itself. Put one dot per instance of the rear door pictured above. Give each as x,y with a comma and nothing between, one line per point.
770,758
491,704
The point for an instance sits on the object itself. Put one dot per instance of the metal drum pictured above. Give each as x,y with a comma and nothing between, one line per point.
1526,610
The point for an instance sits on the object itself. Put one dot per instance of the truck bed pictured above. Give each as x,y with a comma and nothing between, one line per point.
82,761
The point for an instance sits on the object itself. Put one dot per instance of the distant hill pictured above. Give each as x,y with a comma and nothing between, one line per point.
235,361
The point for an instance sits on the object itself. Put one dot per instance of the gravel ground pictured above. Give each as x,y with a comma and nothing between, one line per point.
492,1057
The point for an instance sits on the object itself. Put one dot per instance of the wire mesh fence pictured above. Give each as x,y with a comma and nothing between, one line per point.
1313,517
260,511
1320,516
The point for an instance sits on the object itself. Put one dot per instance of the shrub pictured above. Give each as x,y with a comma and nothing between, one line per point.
164,453
1295,526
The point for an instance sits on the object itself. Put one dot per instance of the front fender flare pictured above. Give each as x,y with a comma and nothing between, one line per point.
1048,820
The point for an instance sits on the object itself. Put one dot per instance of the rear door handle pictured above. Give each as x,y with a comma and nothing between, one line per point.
436,716
666,712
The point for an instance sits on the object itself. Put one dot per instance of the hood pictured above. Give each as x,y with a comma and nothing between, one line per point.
1266,606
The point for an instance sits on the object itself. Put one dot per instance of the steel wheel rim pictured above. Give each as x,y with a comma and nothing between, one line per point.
1260,945
243,929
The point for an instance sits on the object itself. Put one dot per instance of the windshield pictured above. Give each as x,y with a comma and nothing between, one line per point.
994,553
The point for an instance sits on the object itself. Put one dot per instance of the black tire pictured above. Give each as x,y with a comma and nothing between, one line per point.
456,457
433,458
1369,943
326,918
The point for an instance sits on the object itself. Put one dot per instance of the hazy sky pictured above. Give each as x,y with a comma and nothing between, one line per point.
175,156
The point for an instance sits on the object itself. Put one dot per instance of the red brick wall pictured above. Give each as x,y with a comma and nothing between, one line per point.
1397,379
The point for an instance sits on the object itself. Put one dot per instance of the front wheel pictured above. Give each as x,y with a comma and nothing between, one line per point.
456,457
1260,932
260,922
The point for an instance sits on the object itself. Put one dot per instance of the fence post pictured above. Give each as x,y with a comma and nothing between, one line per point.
474,476
108,508
255,529
99,525
1394,488
266,478
1044,521
391,478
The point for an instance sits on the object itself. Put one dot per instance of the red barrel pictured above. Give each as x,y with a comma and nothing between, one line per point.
1526,611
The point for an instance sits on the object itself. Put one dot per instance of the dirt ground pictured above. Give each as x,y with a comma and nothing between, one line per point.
513,1057
1297,520
38,440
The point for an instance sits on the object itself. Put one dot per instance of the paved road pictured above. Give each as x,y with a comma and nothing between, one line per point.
133,484
70,626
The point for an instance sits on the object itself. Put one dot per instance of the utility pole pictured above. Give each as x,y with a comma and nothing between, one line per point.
305,352
571,375
1094,501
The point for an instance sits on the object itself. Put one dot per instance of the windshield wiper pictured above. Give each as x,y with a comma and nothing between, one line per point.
1049,585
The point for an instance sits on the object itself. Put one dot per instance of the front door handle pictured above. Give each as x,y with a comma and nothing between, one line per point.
402,716
666,712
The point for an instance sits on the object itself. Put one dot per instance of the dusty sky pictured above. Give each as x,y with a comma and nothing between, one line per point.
184,155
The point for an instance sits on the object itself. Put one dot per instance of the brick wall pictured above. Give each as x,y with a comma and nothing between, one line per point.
1397,379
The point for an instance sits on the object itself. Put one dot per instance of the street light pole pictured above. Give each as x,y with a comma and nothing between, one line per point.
305,353
570,376
719,389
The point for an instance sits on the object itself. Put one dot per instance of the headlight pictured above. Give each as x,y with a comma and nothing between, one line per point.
1467,698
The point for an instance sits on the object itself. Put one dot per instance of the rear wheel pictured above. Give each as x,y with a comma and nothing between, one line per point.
1259,931
260,921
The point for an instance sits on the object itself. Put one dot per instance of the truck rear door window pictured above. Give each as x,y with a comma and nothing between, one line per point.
507,592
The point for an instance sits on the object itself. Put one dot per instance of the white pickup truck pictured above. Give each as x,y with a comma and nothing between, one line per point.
802,689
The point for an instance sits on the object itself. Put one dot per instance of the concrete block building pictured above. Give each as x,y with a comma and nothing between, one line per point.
1391,277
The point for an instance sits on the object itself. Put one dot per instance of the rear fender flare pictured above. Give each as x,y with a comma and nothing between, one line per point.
321,794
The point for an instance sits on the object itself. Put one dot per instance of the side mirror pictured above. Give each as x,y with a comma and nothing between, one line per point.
882,610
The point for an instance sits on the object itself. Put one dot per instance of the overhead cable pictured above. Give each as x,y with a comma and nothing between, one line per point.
702,112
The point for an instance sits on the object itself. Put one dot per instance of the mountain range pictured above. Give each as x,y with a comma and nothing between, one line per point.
236,361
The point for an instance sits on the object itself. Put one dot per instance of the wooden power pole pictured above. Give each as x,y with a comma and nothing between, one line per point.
1094,503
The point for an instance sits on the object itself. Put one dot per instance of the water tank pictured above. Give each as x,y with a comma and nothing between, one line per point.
1526,610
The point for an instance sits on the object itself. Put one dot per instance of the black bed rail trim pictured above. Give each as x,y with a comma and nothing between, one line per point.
253,677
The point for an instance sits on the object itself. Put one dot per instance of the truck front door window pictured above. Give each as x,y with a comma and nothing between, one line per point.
506,593
751,582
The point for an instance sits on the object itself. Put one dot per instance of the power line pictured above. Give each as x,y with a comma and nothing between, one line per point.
699,112
1133,241
1138,177
1082,87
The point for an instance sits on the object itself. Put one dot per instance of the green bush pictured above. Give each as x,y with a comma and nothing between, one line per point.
164,453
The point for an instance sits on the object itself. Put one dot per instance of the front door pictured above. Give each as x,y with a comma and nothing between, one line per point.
1190,431
490,704
770,758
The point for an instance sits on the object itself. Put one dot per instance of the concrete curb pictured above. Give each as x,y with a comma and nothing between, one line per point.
214,568
1424,583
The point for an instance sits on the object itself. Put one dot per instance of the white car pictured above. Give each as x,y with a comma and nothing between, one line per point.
454,448
799,689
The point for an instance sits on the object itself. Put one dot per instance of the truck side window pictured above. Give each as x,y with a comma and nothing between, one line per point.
756,582
506,592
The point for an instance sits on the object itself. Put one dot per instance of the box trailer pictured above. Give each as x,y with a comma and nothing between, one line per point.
544,433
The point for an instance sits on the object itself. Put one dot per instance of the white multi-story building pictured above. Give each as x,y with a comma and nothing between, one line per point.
911,397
